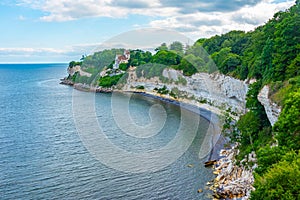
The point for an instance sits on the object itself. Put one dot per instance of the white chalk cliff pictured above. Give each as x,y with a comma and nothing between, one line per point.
271,108
215,89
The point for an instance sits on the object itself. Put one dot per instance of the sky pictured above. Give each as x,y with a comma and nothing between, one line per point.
41,31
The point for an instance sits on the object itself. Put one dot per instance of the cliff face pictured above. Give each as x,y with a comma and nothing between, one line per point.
271,108
215,89
72,70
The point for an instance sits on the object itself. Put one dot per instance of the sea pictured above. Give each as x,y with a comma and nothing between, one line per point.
60,143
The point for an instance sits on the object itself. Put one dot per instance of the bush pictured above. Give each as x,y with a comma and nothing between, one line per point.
140,87
150,70
267,156
123,66
163,90
172,94
281,181
74,63
109,81
287,128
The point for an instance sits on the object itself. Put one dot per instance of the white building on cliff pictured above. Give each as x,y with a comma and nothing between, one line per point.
121,59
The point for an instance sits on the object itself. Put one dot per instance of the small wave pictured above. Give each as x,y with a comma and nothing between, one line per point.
49,83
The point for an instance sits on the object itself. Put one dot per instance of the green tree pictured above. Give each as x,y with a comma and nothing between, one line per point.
220,56
231,62
162,47
249,131
281,181
287,40
109,81
287,128
166,58
294,68
191,64
150,70
123,66
267,156
74,63
177,47
266,60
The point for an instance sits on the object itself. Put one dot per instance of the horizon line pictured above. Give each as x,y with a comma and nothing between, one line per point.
7,63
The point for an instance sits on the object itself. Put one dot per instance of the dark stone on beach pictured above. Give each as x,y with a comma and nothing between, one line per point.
190,165
210,163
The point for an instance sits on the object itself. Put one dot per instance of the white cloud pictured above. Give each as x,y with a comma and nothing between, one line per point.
66,10
146,39
21,18
196,19
206,24
260,13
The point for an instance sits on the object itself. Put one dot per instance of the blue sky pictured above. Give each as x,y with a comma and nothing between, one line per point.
63,30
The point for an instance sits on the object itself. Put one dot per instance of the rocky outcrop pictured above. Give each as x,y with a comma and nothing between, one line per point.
232,181
171,74
215,89
72,70
66,81
271,108
88,88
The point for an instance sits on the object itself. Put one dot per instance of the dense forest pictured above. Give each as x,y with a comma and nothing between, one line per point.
271,55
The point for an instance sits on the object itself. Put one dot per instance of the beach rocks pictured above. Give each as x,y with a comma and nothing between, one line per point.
232,181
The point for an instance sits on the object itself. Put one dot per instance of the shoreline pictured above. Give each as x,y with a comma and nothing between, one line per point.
223,159
202,111
190,105
209,115
231,181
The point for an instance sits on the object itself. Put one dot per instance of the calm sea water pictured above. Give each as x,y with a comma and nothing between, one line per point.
42,155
